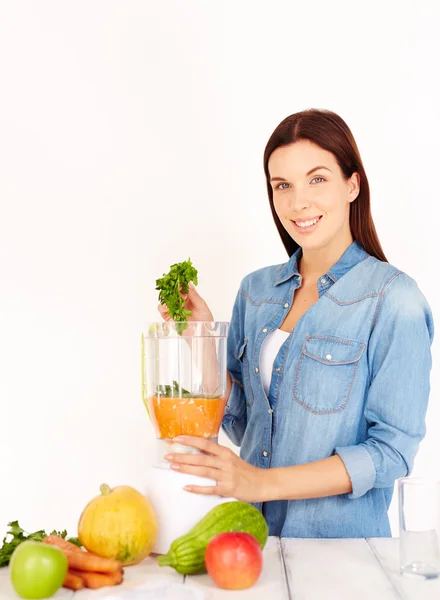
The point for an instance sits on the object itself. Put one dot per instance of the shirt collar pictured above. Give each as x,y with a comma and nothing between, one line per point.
351,257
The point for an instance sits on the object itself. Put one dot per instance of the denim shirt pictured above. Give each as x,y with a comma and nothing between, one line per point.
353,379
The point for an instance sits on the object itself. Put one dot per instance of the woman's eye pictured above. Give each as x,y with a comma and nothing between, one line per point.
278,187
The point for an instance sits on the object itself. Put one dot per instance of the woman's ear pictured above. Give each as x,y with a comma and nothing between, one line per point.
353,187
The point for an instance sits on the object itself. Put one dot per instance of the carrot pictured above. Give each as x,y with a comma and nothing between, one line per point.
98,580
81,560
56,540
86,561
73,581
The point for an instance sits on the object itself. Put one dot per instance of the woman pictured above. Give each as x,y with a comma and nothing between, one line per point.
329,354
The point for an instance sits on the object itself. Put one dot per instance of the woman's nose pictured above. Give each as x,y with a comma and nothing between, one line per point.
299,201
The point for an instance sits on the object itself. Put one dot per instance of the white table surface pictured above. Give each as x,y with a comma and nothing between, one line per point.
294,569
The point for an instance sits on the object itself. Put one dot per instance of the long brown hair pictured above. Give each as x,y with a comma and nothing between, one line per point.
329,131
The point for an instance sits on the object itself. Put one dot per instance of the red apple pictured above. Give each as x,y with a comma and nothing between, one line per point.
234,560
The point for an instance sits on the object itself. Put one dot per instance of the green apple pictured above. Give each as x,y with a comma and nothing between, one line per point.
37,570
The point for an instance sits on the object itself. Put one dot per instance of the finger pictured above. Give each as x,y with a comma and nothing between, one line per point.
207,472
204,490
195,297
202,444
163,310
200,460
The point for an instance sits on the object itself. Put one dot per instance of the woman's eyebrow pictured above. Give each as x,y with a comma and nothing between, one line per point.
308,173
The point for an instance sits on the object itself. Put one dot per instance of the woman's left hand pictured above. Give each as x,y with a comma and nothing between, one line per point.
235,477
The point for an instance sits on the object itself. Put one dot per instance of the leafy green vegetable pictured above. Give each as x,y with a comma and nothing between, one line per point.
172,391
19,535
171,286
168,391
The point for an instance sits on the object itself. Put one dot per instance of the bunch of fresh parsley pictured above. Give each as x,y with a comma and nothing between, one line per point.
171,286
19,535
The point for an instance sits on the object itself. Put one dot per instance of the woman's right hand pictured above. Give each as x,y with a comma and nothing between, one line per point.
193,302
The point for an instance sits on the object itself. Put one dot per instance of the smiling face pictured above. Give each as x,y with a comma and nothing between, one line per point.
313,204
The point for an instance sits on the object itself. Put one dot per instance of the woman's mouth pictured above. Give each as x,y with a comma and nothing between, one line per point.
306,226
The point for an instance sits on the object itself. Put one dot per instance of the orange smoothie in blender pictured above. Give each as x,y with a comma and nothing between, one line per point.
199,417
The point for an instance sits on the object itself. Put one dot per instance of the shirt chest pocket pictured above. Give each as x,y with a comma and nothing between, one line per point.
242,354
325,373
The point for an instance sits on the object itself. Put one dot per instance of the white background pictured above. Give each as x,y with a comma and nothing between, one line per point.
132,137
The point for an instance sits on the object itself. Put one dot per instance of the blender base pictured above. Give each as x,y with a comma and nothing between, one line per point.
176,509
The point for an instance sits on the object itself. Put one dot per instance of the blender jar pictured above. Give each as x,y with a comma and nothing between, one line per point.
184,381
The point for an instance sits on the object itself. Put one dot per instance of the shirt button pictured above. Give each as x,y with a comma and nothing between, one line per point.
286,305
270,411
323,280
265,453
264,330
256,369
278,369
328,356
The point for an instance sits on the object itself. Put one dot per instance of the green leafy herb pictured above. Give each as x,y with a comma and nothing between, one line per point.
168,391
171,286
172,391
18,535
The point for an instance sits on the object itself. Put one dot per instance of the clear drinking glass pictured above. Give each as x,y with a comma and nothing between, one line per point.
419,519
184,381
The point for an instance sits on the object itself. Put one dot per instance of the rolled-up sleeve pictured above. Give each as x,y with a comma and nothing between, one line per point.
399,356
235,418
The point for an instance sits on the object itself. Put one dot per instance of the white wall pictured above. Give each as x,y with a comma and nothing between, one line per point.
131,137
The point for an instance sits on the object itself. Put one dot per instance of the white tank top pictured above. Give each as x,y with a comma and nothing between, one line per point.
269,350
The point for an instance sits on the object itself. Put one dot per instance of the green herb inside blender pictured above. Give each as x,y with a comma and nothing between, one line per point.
173,391
171,286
